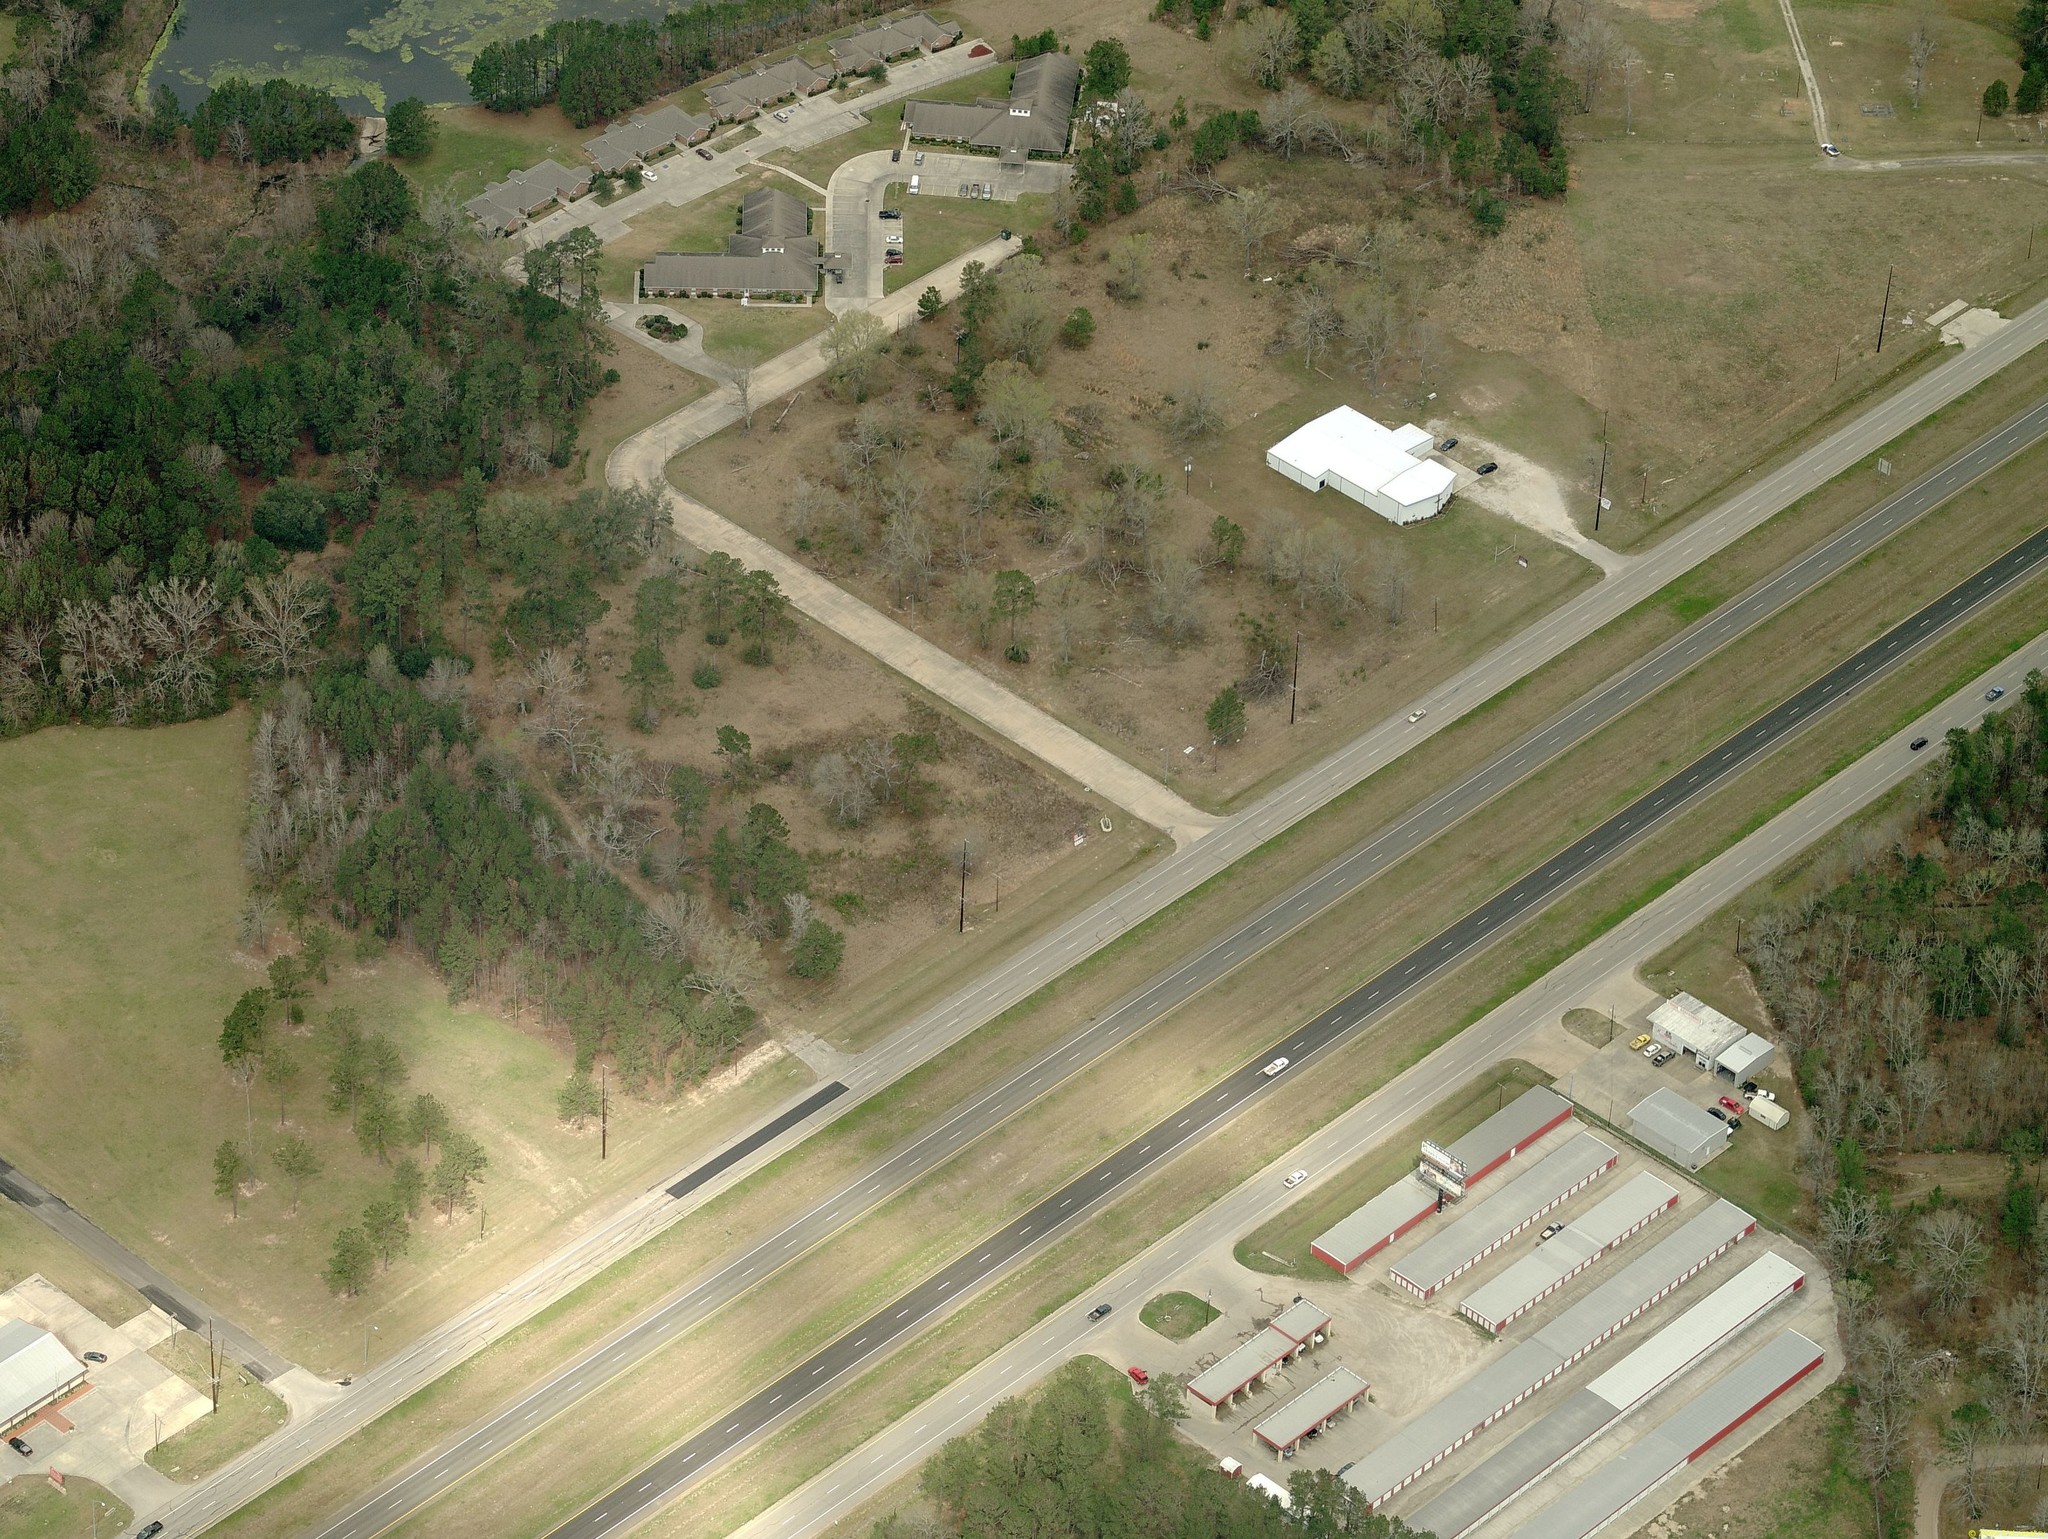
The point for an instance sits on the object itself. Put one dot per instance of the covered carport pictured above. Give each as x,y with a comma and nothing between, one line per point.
1310,1411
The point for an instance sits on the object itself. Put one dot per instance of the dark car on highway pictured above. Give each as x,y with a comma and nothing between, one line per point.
149,1531
1917,744
1100,1312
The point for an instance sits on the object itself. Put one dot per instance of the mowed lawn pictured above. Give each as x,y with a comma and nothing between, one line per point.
120,879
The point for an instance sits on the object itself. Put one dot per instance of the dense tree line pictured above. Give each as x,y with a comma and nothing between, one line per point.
43,154
363,345
601,69
1077,1461
268,123
596,69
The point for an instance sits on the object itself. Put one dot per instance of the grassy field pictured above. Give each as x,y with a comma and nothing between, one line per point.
649,388
29,1247
938,229
119,881
1281,1244
752,334
248,1413
631,1419
31,1508
1177,1316
1859,54
476,146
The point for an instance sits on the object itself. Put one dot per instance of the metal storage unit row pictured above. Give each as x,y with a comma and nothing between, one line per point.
1485,1227
1655,1457
1568,1253
1561,1432
1505,1383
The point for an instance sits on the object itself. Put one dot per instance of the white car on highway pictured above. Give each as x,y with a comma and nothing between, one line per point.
1277,1067
1295,1180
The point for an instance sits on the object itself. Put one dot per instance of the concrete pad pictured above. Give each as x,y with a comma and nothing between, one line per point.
1530,495
1973,327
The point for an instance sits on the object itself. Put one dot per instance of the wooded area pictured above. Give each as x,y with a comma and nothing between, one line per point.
1910,988
1079,1459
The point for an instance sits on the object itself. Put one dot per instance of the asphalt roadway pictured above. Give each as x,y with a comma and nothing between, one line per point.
845,1486
486,1439
603,1237
1521,899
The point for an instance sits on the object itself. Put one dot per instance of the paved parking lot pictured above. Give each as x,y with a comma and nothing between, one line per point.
104,1434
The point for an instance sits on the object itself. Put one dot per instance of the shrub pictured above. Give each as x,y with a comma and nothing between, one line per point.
292,515
706,674
1079,329
819,951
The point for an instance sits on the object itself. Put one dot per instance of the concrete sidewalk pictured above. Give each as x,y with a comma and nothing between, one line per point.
643,458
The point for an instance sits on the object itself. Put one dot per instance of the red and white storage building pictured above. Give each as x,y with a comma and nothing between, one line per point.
1480,1230
1702,1331
1354,1240
1531,1280
1675,1444
1506,1382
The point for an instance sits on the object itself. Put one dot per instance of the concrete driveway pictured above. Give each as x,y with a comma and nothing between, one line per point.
859,193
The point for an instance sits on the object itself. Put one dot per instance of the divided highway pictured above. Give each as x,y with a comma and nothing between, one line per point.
492,1436
1526,896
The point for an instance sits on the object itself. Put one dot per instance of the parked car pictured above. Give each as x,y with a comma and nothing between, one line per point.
1650,1050
782,116
1640,1043
1663,1056
895,155
1488,468
1138,1375
20,1446
1995,692
702,153
1766,1096
1295,1179
1917,744
1715,1111
892,213
1735,1124
94,1357
920,158
1550,1231
649,176
1277,1067
1729,1103
1749,1087
1100,1311
1830,151
1447,445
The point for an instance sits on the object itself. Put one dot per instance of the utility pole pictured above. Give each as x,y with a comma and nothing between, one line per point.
1294,688
604,1120
963,886
1433,601
1600,491
213,1366
1884,311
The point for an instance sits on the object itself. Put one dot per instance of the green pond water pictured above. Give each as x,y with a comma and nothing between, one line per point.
368,54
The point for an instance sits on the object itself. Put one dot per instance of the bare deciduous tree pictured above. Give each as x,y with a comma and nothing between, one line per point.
1286,119
273,619
1251,215
1269,41
1950,1255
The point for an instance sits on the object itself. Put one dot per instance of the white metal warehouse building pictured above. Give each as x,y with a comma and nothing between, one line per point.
1715,1042
36,1369
1354,1240
1384,468
1480,1230
1688,1433
1561,1432
1507,1381
1569,1252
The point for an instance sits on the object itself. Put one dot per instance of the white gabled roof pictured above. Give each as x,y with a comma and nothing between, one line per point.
34,1366
1350,444
1696,1025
